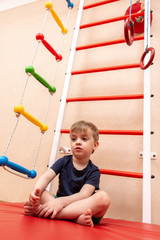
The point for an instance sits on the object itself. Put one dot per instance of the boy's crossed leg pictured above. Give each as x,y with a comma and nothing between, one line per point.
80,211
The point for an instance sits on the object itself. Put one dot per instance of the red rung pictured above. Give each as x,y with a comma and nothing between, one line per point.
40,37
113,132
98,4
103,98
107,43
121,173
121,132
120,67
111,20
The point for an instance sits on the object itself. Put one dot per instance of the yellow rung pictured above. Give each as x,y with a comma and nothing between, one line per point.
49,6
19,109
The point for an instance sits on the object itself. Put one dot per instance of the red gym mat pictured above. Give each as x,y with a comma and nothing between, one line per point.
14,225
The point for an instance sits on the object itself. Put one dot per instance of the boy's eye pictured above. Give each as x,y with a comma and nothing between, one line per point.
73,138
85,138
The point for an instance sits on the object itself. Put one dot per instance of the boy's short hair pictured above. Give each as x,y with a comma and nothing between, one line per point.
83,126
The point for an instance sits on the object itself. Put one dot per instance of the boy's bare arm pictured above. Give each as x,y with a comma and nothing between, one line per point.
41,185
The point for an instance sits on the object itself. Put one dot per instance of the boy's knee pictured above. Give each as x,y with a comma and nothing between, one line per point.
103,199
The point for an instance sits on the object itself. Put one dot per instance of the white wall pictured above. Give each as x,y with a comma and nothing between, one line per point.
8,4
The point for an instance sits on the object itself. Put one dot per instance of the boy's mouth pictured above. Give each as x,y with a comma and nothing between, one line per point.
78,148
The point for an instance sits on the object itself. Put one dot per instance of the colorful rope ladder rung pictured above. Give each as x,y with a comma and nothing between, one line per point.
70,4
104,69
49,6
122,173
40,38
30,71
105,98
98,4
102,44
113,132
19,109
116,19
4,162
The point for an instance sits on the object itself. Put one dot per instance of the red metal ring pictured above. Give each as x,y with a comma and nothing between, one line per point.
128,26
142,66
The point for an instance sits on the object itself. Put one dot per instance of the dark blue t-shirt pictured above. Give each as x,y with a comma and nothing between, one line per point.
72,180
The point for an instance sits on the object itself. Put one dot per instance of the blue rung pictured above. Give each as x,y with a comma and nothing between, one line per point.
4,161
70,4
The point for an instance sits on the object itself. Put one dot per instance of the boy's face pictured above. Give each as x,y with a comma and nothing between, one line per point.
83,143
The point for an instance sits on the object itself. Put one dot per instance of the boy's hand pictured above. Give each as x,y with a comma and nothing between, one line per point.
50,209
35,197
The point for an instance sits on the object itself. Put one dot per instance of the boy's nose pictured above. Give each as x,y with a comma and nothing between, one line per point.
78,141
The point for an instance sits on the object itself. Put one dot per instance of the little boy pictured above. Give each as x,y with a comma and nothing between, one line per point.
76,198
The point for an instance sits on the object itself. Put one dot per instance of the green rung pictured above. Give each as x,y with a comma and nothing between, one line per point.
30,70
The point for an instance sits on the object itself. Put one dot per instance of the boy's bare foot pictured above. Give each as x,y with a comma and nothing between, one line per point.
31,206
30,210
85,219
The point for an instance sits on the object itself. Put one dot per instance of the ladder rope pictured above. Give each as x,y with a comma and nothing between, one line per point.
33,59
9,141
61,45
57,66
24,89
130,12
14,173
147,25
36,155
42,29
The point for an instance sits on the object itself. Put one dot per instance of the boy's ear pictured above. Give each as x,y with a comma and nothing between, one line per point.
96,144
